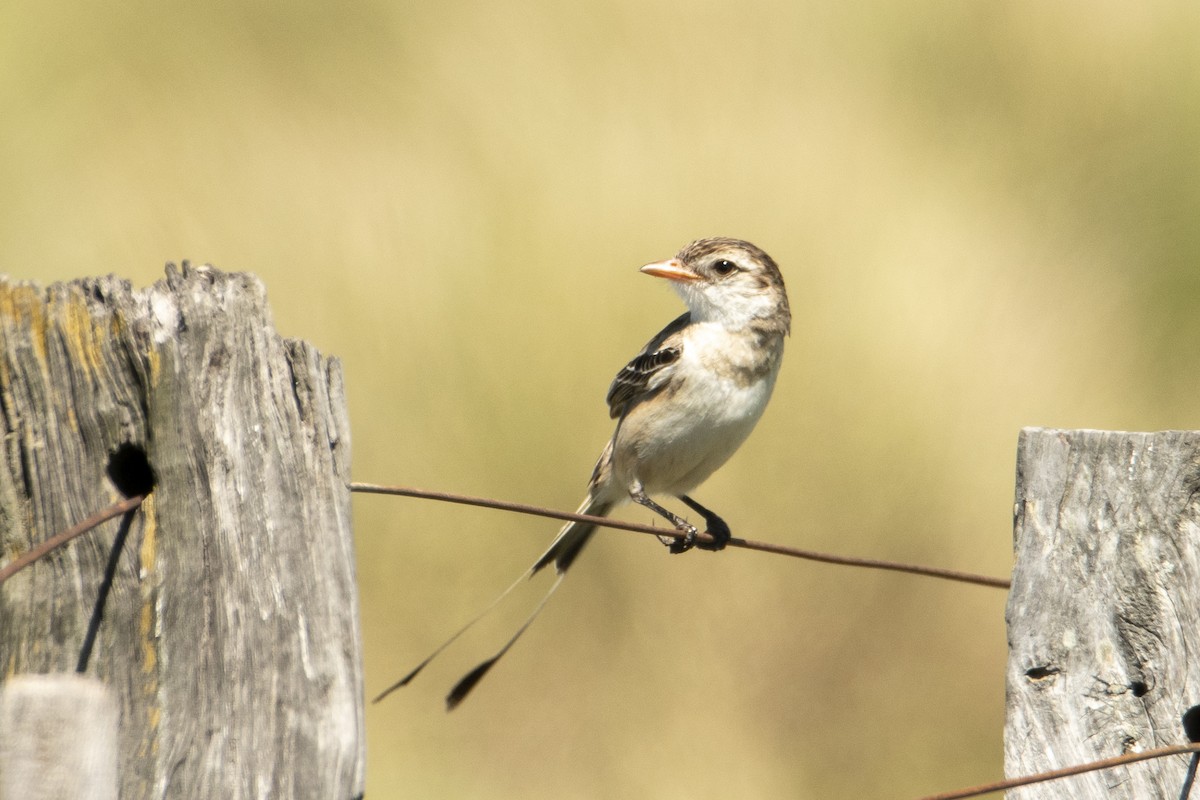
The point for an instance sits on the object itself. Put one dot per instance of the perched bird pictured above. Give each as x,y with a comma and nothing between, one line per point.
683,405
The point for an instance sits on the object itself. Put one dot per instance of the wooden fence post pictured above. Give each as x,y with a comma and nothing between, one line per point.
230,638
1104,612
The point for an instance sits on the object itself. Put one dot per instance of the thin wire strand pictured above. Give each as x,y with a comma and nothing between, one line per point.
748,544
59,539
1065,772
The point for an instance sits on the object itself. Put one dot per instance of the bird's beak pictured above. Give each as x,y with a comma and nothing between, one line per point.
671,269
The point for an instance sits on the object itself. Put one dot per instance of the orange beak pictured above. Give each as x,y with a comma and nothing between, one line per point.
671,269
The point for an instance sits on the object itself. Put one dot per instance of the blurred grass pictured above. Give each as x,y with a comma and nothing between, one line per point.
986,214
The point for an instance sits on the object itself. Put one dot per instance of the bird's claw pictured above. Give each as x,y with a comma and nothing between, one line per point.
716,528
719,531
681,544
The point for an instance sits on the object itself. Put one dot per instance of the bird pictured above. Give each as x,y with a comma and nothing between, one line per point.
683,405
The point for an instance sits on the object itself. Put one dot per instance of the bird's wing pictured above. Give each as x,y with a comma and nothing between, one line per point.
649,370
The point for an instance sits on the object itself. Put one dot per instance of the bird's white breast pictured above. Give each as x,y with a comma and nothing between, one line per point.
720,388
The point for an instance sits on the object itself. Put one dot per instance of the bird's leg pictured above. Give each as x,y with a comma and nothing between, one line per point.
676,544
714,525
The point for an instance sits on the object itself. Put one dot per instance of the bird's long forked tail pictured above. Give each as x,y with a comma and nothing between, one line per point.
562,553
453,638
468,681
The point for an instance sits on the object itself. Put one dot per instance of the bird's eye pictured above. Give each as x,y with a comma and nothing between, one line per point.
724,267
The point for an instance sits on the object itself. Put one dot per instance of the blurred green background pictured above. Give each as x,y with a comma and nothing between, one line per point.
987,214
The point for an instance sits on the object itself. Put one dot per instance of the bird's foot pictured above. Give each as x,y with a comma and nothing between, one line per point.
714,526
676,544
719,531
681,544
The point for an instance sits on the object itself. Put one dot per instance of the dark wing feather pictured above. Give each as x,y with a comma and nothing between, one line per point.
649,369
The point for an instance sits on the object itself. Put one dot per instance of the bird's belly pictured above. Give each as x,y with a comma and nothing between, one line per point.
671,447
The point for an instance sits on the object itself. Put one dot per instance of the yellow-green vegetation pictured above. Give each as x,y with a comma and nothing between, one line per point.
986,214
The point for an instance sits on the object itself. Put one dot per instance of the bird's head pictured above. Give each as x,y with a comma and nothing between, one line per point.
728,281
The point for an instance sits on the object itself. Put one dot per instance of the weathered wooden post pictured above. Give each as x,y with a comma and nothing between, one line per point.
230,639
1104,612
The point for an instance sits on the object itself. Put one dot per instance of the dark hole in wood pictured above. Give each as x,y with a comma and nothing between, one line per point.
1041,673
1191,724
130,470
